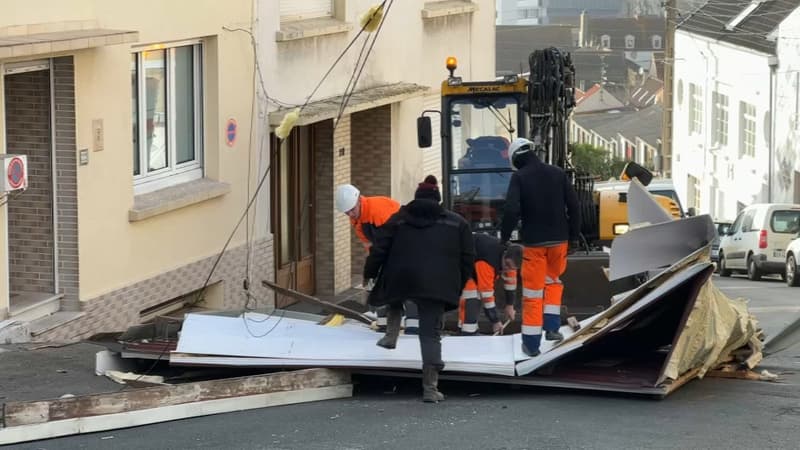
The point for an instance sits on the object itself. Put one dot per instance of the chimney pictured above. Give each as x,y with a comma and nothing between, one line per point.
582,30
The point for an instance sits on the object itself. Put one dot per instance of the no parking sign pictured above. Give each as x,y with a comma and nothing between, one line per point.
230,132
14,172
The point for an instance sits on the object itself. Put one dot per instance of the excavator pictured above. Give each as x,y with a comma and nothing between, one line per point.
479,119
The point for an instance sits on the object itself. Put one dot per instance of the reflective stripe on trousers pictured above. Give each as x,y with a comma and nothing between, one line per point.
541,291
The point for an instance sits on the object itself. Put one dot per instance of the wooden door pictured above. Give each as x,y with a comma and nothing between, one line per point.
293,212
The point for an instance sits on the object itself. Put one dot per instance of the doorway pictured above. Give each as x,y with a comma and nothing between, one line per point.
292,211
32,242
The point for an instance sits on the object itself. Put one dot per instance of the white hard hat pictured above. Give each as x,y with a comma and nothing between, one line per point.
518,147
346,197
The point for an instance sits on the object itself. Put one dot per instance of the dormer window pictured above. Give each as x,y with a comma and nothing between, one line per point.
630,41
656,41
605,41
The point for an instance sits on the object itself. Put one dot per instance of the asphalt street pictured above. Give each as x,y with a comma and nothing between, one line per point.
387,413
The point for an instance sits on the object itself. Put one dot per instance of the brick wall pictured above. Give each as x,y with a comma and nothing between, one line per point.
342,227
333,228
30,217
66,182
371,162
120,309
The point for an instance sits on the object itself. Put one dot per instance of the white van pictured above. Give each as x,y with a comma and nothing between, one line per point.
757,240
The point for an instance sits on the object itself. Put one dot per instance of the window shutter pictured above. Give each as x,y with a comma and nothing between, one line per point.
305,9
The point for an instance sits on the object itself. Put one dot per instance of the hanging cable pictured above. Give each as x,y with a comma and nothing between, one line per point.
201,293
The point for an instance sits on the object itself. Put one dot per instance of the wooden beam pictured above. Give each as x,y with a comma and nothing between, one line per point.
80,425
27,413
327,306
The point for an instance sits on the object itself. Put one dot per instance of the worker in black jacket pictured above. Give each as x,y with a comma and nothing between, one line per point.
425,254
543,197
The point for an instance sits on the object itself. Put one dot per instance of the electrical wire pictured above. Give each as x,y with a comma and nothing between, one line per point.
354,80
10,196
202,291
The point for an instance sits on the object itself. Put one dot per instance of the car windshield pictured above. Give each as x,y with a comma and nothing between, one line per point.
786,221
722,228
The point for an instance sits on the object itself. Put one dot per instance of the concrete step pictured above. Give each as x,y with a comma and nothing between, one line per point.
45,324
27,307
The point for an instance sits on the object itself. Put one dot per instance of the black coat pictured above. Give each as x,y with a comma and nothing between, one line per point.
490,250
423,252
542,195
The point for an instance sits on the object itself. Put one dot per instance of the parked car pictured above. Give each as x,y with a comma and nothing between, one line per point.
756,241
793,262
722,227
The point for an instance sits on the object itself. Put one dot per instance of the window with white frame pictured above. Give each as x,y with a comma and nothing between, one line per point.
630,41
747,129
695,109
605,41
656,41
719,118
167,108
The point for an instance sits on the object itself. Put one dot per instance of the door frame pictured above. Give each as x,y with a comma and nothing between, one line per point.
299,261
16,68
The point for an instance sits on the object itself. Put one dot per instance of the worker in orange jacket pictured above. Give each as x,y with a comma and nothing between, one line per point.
367,215
492,259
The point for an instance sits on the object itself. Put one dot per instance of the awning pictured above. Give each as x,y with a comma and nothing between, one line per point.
360,100
61,41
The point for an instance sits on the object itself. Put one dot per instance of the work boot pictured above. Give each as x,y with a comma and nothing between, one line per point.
393,319
529,352
430,383
553,336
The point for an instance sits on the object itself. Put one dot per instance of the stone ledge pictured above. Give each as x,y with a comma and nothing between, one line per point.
175,197
301,29
445,8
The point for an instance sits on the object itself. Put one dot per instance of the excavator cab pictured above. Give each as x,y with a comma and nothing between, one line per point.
478,122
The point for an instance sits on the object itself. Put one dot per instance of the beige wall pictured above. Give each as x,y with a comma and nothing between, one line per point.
409,49
113,251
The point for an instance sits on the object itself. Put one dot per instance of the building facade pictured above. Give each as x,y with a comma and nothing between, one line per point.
370,143
735,103
147,135
137,135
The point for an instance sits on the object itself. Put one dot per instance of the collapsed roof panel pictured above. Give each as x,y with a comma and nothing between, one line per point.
672,325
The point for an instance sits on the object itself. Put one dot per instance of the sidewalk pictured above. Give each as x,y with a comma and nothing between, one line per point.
29,373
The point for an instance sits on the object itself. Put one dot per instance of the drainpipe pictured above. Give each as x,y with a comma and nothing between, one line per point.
773,67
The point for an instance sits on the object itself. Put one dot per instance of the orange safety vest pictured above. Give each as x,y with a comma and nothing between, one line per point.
375,211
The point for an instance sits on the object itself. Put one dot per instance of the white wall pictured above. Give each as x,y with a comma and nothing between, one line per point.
787,101
742,75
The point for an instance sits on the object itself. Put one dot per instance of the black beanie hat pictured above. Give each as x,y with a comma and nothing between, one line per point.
428,190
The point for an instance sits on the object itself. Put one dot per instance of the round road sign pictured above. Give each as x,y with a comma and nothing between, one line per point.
230,132
16,173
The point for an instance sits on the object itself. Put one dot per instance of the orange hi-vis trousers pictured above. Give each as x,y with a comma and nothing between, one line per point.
541,291
481,291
